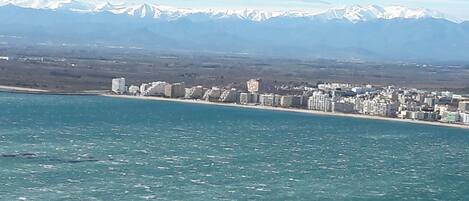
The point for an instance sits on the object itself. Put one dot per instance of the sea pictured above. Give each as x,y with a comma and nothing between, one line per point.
100,148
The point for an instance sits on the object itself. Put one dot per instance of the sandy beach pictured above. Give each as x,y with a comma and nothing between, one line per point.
21,89
291,110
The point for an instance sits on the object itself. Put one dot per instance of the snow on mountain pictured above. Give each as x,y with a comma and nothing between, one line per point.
72,5
366,13
352,13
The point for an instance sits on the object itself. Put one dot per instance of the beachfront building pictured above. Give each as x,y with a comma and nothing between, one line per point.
277,99
196,92
379,107
118,85
286,101
248,98
419,115
244,98
212,95
342,107
134,90
267,99
228,96
153,89
320,101
254,85
176,90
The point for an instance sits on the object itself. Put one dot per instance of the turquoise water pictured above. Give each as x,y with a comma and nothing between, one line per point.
98,148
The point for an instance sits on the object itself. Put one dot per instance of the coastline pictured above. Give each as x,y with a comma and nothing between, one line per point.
304,111
21,89
24,90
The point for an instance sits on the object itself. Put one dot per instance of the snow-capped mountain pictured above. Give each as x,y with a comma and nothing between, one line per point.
364,32
72,5
352,13
366,13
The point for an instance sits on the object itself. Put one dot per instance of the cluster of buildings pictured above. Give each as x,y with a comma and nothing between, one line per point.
390,101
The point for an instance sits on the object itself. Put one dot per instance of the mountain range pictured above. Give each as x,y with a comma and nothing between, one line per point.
356,32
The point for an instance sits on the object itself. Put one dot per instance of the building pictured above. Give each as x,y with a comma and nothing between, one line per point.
4,58
248,98
118,85
196,92
342,107
254,85
379,107
228,96
286,101
430,101
153,89
420,115
464,118
134,90
450,117
277,100
464,106
334,86
212,95
143,88
176,90
362,90
320,101
267,99
245,98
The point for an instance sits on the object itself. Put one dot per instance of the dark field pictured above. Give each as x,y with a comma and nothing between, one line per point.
77,68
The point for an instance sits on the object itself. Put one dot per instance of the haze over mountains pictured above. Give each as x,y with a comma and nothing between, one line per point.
356,32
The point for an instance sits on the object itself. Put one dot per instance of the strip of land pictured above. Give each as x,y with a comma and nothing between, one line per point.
291,110
20,89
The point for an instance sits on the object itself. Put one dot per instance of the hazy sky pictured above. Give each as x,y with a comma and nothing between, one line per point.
455,8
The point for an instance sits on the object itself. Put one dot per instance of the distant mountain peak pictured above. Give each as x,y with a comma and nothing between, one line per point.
354,13
358,13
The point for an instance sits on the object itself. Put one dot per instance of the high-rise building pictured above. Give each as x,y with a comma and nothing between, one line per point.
153,89
176,90
194,92
342,107
228,96
320,101
244,98
254,85
212,95
118,85
286,101
267,99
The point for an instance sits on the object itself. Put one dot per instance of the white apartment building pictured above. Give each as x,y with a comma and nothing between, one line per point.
267,99
153,89
118,85
320,101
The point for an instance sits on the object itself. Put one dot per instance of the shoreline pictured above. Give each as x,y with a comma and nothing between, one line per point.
279,109
21,89
25,90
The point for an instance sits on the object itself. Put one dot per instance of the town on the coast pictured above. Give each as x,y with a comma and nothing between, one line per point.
389,101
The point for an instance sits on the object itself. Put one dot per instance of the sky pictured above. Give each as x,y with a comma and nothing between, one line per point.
453,8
